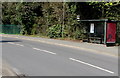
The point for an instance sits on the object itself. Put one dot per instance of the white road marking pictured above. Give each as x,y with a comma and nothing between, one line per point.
10,43
19,45
15,44
44,51
91,65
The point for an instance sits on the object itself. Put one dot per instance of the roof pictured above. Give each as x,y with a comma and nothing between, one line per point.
99,20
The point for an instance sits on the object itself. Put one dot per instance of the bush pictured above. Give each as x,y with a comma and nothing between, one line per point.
54,31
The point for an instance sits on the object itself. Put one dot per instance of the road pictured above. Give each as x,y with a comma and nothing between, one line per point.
34,58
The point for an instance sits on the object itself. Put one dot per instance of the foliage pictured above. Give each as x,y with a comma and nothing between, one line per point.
57,19
53,14
54,31
109,10
70,20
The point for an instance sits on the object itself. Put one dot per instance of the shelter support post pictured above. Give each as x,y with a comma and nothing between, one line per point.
105,28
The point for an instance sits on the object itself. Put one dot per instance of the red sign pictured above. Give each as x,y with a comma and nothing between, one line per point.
111,33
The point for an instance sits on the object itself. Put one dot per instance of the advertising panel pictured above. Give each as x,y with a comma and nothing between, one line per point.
92,28
111,33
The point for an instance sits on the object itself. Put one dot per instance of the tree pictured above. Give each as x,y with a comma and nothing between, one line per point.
39,18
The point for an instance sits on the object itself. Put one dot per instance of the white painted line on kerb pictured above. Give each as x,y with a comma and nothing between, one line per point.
92,65
0,76
44,51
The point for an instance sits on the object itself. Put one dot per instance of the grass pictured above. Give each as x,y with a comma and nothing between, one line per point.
41,36
2,33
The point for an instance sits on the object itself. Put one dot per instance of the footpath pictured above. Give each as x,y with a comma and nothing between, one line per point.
6,71
90,47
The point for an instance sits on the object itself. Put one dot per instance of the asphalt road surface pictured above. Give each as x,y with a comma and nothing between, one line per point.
33,58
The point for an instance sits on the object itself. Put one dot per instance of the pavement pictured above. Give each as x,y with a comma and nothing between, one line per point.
7,70
0,70
33,56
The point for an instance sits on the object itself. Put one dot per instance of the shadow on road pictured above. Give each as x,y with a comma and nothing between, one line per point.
5,41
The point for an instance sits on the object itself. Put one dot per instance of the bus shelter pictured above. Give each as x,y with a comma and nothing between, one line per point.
101,31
